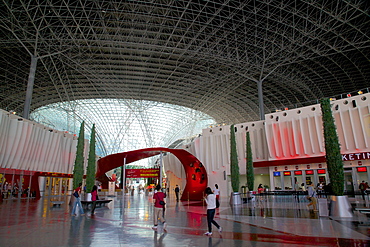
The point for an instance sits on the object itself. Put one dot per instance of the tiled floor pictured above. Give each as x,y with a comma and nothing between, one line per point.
277,222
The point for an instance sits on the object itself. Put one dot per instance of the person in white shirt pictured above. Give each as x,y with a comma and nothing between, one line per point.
211,210
217,192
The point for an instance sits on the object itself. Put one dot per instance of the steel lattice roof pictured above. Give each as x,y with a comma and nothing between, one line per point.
204,55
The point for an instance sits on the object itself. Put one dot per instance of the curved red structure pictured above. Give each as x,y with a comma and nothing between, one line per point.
196,175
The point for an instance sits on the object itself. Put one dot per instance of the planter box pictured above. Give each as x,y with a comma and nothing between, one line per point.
340,207
235,198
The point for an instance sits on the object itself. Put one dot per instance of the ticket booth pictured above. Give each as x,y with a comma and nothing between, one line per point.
309,177
277,181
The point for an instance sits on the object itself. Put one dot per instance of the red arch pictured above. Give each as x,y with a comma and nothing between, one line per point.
196,175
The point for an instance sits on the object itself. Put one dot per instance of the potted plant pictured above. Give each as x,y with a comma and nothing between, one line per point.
340,205
249,164
91,164
78,169
235,198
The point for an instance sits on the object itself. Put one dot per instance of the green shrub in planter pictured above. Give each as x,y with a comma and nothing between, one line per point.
78,170
249,168
91,163
234,164
333,156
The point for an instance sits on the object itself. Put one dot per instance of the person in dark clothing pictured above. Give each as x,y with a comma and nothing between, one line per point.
363,187
177,192
94,196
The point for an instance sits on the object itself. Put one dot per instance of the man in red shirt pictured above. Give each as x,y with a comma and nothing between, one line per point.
158,208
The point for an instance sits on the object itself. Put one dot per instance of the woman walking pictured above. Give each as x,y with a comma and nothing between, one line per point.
94,195
211,210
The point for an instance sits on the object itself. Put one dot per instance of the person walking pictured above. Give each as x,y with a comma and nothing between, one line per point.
76,194
210,199
363,187
177,192
159,208
312,196
259,196
94,197
296,191
216,191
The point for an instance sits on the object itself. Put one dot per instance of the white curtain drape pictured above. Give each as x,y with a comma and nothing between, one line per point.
26,145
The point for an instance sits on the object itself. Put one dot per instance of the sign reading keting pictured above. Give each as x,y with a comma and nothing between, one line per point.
142,173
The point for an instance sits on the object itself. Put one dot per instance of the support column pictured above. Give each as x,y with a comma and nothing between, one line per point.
260,100
160,169
31,80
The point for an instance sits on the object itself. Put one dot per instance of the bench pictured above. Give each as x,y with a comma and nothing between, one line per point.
99,203
365,211
56,203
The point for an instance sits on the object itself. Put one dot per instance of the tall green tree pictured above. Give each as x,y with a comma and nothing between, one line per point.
234,164
333,156
91,163
249,168
78,170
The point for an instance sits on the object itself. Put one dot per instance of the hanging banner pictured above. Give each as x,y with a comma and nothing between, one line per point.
142,173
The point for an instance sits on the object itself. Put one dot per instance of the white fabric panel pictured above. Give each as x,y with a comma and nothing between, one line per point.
17,145
310,136
212,151
223,152
240,145
72,155
227,143
26,145
364,113
34,152
3,137
197,148
64,157
218,153
207,159
353,128
54,148
341,119
301,127
283,146
319,133
201,154
268,140
290,144
13,139
295,136
43,151
276,140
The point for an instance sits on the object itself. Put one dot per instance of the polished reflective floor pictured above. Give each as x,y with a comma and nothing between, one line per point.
127,221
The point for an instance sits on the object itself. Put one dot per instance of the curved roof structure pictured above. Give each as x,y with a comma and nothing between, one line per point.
205,55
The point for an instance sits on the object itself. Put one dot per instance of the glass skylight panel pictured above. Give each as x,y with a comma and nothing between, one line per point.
124,125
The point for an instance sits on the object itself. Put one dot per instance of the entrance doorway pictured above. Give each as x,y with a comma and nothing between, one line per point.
56,186
348,182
